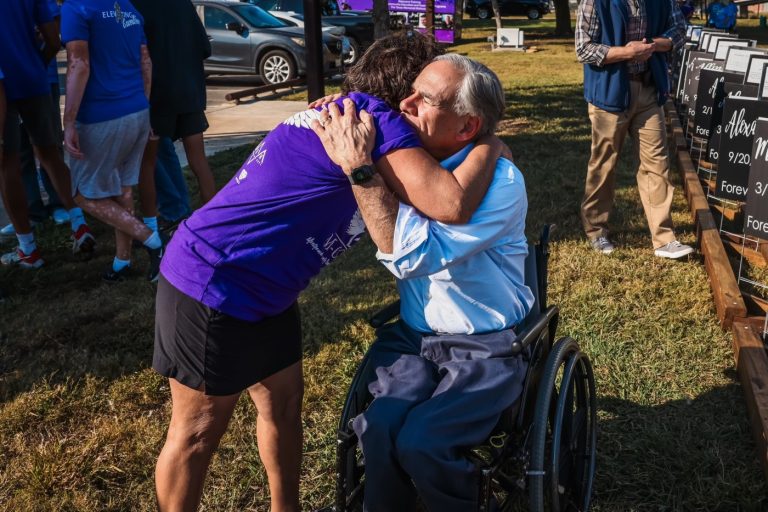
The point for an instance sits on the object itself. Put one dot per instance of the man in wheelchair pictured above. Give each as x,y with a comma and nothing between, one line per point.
444,372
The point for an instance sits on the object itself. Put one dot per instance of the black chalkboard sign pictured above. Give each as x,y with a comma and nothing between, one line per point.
732,86
756,210
735,152
710,84
692,81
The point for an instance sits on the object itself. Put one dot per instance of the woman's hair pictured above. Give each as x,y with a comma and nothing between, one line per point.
390,65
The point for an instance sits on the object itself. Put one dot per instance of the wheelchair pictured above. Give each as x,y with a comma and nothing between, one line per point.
544,446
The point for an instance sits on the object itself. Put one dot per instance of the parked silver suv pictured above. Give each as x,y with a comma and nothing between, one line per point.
246,39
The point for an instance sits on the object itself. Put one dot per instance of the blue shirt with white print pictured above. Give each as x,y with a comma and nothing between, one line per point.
114,31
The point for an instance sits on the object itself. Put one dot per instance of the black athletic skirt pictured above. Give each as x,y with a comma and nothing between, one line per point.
199,346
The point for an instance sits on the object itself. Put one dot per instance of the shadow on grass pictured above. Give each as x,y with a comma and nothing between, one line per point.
676,449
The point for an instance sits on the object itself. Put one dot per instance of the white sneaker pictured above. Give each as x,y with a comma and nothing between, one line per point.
602,244
7,231
673,250
60,216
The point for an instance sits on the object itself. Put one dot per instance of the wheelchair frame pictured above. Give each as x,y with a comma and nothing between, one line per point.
545,446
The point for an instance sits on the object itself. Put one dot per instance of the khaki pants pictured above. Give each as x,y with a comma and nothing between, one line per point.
644,121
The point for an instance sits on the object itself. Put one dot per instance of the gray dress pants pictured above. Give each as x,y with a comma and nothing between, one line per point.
433,397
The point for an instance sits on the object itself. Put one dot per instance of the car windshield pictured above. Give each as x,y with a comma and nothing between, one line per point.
257,17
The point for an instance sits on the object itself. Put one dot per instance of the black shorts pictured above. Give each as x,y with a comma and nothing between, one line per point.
178,126
39,115
197,345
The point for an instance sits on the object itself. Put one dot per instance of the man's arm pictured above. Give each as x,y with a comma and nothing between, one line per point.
588,51
50,33
146,70
348,142
674,37
78,72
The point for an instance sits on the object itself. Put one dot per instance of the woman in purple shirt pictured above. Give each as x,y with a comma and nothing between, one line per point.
227,319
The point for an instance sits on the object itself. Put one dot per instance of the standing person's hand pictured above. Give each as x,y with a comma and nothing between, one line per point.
640,51
347,139
72,141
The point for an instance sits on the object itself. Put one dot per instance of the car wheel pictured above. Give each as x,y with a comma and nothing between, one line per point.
354,52
276,67
483,13
533,14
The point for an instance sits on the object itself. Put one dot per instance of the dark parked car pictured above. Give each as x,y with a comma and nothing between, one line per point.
246,39
358,25
534,9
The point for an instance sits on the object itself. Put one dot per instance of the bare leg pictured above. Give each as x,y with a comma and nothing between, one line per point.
12,189
147,192
111,212
53,163
279,434
123,240
195,150
197,424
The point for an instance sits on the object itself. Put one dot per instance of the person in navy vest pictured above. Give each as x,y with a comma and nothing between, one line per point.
623,45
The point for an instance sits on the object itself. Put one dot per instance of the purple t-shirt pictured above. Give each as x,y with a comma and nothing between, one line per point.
287,213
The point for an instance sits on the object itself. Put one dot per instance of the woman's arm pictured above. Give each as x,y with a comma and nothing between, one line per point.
450,197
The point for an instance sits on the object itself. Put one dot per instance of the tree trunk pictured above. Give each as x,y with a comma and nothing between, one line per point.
430,14
458,17
380,17
563,18
496,12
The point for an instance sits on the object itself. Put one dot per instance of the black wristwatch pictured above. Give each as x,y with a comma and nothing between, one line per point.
362,174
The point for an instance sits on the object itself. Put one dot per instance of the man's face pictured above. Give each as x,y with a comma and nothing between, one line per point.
429,109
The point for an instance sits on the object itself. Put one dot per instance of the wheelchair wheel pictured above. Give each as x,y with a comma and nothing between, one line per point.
564,435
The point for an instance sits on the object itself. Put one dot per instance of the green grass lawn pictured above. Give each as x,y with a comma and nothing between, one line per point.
82,415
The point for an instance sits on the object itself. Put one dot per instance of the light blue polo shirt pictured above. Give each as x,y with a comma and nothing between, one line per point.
469,278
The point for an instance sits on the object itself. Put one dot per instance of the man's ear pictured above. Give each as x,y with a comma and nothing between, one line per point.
470,129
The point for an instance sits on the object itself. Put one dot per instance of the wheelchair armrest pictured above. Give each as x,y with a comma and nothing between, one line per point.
385,315
533,329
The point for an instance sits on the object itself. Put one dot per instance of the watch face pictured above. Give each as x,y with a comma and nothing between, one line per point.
362,174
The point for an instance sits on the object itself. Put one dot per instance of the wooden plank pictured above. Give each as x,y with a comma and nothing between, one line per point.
752,256
732,214
677,136
752,366
725,290
757,305
763,248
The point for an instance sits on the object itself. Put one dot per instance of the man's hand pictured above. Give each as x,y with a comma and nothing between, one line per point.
325,100
72,141
347,139
640,51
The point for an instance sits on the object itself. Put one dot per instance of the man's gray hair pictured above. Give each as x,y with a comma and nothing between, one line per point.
479,94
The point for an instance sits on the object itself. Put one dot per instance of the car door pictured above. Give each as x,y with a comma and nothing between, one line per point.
229,50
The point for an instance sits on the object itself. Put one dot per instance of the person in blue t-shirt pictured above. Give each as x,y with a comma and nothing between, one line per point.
227,319
722,14
29,99
106,119
446,363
